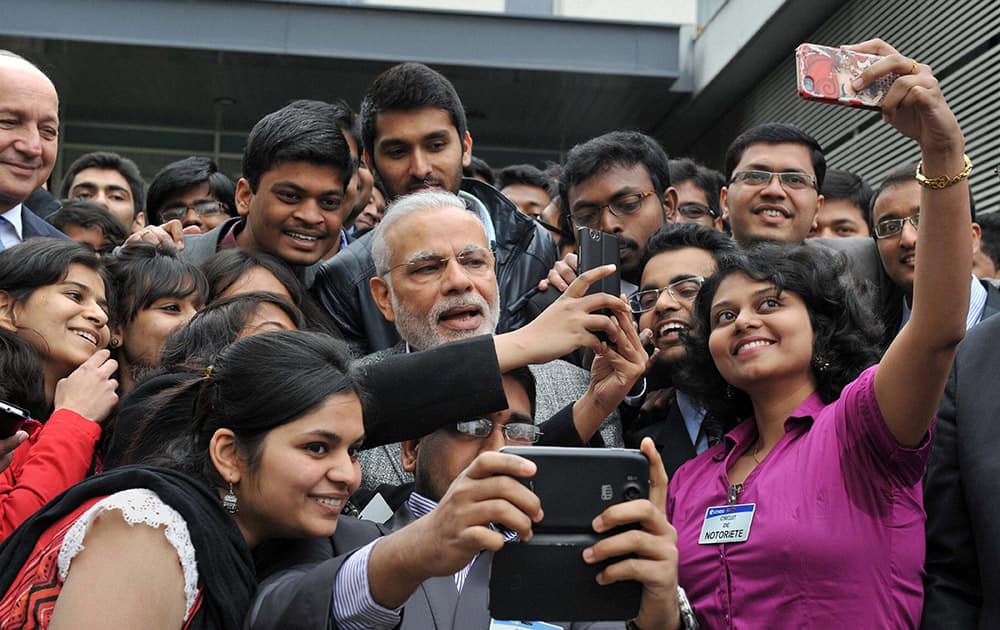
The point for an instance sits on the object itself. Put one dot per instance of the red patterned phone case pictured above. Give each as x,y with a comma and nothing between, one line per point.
824,74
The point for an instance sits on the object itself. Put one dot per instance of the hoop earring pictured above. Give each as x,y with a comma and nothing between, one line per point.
230,502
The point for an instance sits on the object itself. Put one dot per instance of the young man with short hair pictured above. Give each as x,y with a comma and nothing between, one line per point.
415,138
895,215
846,206
192,191
697,189
526,186
291,198
679,257
112,181
774,173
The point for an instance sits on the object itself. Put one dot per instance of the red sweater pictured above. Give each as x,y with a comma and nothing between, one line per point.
55,456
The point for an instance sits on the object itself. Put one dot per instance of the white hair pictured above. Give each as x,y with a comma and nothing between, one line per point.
401,208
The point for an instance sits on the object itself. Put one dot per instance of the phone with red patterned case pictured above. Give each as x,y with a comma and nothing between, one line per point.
824,75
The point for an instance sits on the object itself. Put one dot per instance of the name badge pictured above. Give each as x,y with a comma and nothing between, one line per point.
727,524
522,625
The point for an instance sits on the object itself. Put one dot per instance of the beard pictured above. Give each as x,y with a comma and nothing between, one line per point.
423,331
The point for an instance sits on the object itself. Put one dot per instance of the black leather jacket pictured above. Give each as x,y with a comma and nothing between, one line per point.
524,252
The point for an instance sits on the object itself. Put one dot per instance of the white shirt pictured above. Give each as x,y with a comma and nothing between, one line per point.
977,302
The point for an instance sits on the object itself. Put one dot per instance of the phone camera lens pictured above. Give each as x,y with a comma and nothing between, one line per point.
632,492
595,235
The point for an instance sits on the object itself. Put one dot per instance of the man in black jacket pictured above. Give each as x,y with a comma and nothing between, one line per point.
416,138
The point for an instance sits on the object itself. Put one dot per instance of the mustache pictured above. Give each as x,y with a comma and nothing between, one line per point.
458,302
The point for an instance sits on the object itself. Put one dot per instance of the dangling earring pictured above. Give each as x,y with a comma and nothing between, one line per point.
820,363
230,502
730,392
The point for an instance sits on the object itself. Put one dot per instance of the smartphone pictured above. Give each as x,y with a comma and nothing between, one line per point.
595,249
546,578
824,74
11,419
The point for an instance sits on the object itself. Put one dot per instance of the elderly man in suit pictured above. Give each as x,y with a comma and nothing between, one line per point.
435,281
29,132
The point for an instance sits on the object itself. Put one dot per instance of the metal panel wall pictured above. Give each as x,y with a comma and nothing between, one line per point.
961,41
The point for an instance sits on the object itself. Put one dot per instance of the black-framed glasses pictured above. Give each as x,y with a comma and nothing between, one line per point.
695,211
556,231
590,215
522,432
475,262
790,180
683,291
887,228
207,208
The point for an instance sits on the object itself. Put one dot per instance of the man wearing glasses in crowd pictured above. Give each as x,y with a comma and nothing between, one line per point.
192,191
697,189
774,173
895,219
617,183
678,259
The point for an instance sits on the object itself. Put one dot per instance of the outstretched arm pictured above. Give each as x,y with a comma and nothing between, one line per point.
913,371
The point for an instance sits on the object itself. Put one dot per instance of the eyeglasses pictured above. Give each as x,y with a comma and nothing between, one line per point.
791,180
684,291
891,227
201,208
522,432
475,262
695,211
590,215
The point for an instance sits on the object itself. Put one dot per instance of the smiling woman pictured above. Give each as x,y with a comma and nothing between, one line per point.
825,470
246,451
155,294
53,294
52,297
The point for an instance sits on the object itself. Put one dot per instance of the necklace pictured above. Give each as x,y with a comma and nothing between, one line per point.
756,450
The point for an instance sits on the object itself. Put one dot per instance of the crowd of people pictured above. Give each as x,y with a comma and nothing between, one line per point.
279,402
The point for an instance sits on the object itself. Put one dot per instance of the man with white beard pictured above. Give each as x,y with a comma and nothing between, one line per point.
435,281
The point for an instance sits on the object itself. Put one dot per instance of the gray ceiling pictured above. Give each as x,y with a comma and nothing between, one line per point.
142,97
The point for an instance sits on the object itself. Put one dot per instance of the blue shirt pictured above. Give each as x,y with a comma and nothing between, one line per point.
11,229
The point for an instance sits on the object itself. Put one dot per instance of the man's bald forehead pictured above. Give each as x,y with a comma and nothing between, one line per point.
14,61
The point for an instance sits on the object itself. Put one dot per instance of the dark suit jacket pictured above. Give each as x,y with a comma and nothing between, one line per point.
298,576
33,226
961,491
668,432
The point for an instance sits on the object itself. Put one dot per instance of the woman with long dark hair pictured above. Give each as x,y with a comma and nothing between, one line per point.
247,451
809,512
53,299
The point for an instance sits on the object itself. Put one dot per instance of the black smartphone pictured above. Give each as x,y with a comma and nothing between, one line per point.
11,419
546,578
595,249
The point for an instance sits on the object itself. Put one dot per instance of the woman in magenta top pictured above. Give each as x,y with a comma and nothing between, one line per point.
809,513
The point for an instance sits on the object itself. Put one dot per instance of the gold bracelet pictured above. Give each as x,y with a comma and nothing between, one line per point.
937,183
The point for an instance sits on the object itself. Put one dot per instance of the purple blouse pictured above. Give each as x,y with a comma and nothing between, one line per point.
837,538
